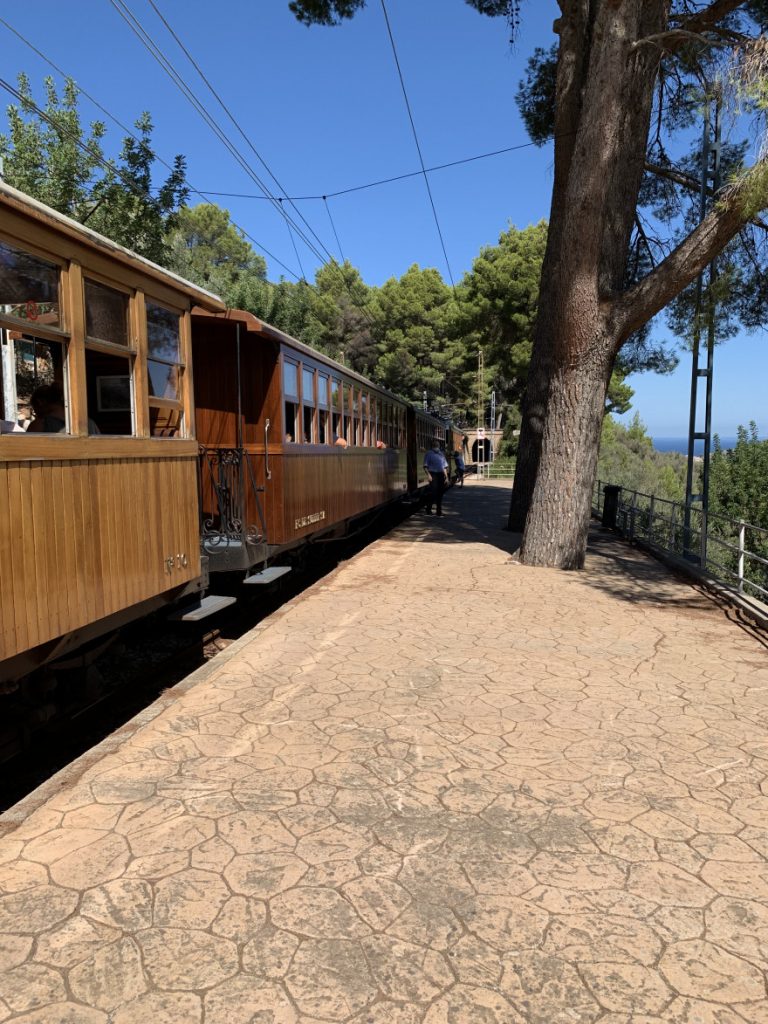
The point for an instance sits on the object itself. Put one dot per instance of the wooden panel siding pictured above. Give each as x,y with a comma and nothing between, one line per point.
85,538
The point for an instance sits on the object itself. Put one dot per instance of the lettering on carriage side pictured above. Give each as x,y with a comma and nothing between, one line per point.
316,517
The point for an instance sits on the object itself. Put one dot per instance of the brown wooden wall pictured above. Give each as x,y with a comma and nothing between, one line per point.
310,479
86,534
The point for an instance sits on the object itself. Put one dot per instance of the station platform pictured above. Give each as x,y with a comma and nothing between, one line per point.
437,788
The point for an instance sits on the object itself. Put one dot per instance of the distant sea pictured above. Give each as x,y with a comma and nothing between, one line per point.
680,444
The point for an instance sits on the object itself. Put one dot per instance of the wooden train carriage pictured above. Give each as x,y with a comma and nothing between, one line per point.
423,430
293,442
99,494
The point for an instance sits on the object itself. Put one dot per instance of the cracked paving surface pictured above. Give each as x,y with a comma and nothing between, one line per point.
439,788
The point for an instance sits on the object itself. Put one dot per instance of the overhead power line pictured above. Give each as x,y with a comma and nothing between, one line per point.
416,140
396,177
127,130
149,43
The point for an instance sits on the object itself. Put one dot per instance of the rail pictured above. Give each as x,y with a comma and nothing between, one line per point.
732,551
226,483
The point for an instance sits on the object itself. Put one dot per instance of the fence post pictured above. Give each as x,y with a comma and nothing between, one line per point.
651,514
672,528
611,494
742,537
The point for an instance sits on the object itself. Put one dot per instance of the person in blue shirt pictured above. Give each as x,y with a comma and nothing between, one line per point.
461,467
436,468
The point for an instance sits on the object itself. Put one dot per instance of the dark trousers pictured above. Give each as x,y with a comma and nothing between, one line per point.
435,492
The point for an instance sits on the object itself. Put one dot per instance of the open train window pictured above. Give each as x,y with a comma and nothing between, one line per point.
308,406
365,431
291,425
34,384
164,371
346,405
323,436
337,416
109,364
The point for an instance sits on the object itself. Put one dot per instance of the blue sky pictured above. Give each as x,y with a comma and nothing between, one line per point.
325,110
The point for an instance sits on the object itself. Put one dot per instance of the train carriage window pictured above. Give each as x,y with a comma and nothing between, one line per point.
164,371
29,287
308,406
109,375
366,431
292,425
337,418
34,383
346,405
322,404
106,313
356,429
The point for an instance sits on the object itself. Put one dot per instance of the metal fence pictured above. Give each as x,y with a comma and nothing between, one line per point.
732,551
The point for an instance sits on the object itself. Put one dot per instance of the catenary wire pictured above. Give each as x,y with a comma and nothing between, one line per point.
416,140
128,131
148,42
333,226
237,124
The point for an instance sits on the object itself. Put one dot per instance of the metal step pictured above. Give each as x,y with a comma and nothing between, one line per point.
274,572
202,609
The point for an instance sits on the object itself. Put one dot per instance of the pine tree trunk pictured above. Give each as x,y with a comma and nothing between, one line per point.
558,519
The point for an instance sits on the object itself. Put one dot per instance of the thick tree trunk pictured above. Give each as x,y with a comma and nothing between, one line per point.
574,348
558,520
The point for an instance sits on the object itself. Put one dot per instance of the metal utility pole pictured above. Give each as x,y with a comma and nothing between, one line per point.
710,181
493,423
480,410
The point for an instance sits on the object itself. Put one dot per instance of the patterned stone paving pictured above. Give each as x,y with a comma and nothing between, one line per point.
440,788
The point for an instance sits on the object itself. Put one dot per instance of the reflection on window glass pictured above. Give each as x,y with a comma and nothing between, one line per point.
162,333
290,379
308,387
335,393
165,421
108,386
106,314
29,287
347,423
322,390
163,380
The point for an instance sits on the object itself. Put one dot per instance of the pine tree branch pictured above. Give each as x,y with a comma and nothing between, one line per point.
692,184
641,302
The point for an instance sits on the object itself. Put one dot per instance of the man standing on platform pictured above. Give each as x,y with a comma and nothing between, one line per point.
436,468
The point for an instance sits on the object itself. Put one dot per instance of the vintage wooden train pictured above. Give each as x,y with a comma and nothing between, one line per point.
167,438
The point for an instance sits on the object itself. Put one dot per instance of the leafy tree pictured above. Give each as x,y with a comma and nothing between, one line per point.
51,157
205,247
414,330
621,69
344,314
628,458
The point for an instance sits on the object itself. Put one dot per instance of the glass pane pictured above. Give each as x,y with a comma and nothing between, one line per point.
29,287
290,379
108,384
106,313
322,390
308,387
335,393
33,384
165,422
163,380
162,333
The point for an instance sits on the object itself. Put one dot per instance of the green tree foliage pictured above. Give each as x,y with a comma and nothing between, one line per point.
414,332
344,312
54,159
738,482
628,458
205,247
